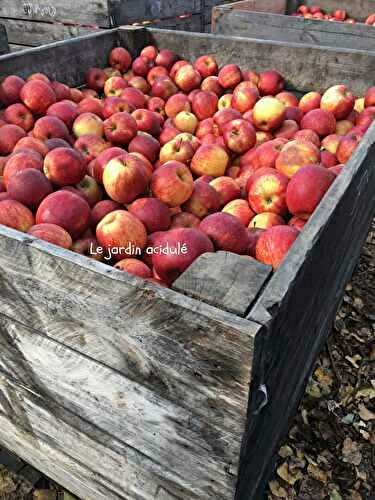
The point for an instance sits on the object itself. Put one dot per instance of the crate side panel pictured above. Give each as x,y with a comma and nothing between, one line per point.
66,61
4,46
299,305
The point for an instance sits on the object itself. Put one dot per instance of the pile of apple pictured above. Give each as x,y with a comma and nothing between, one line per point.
158,160
339,15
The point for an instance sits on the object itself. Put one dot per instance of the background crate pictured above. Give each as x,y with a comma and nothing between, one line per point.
4,47
246,18
119,389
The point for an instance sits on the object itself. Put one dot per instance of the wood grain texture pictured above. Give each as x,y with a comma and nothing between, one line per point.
267,26
130,11
203,441
34,33
4,46
225,280
305,67
299,305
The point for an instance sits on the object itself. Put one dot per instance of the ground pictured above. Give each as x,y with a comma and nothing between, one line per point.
329,453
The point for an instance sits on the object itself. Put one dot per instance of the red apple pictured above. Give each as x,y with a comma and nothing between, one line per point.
187,78
95,78
266,220
328,159
10,89
204,200
244,98
347,145
142,65
150,52
134,97
320,121
135,267
172,183
157,104
88,124
147,121
308,135
211,84
101,209
307,188
266,190
120,128
29,187
114,86
270,83
168,134
226,232
37,96
114,105
153,213
90,105
239,136
21,160
90,146
253,235
155,73
64,166
185,219
166,58
287,130
294,155
240,209
61,90
9,136
287,98
119,58
210,159
49,127
15,215
292,113
268,113
297,223
310,101
90,189
31,143
206,65
224,116
65,111
18,114
125,177
204,104
338,100
274,243
52,234
229,76
227,189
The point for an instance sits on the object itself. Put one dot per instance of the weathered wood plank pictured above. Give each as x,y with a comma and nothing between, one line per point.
16,48
66,61
204,444
4,46
33,33
299,305
225,280
268,26
305,67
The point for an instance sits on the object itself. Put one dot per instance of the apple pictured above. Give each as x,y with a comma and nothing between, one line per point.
338,100
270,83
343,127
266,190
297,222
90,146
266,220
135,267
369,99
243,175
303,9
114,86
240,209
150,52
268,113
102,159
339,15
204,104
120,128
226,232
9,136
253,237
187,137
176,66
178,149
321,121
142,65
244,98
153,213
37,96
15,215
370,20
90,105
121,234
49,127
19,161
18,114
64,166
177,103
251,76
347,145
172,183
88,124
76,95
155,73
224,116
328,159
166,58
145,144
227,189
185,245
365,118
185,121
293,113
210,159
29,187
157,104
95,79
187,78
90,93
109,71
274,243
10,89
168,134
310,101
229,76
294,155
225,102
204,200
308,135
101,209
134,97
91,190
287,130
61,90
112,105
331,142
140,83
52,234
119,58
125,177
31,143
147,121
206,65
287,98
66,111
211,84
205,127
307,188
87,246
66,209
185,219
336,169
239,136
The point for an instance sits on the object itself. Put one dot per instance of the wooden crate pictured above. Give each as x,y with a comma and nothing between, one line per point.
4,46
119,389
246,18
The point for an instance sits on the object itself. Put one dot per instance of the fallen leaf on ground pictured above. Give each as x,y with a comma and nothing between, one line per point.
350,452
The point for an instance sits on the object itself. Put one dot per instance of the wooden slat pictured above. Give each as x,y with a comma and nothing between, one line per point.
203,443
4,46
34,33
16,48
305,67
268,26
299,305
225,280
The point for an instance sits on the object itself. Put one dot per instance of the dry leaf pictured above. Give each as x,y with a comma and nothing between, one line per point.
351,453
284,472
365,414
323,377
286,451
354,360
277,490
367,392
317,473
